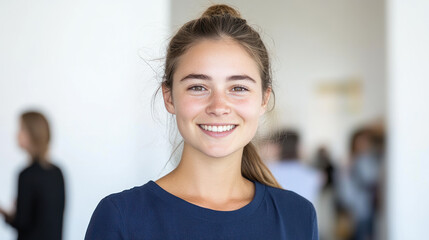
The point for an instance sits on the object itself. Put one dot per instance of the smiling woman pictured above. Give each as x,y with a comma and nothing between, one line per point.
216,86
217,83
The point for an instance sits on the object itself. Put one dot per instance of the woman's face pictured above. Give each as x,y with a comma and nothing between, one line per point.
23,138
217,97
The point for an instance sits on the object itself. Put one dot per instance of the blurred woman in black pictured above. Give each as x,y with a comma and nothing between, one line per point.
41,196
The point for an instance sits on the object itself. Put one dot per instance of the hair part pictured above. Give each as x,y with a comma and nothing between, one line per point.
224,22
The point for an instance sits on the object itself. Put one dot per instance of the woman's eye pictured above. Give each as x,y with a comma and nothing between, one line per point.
239,89
197,88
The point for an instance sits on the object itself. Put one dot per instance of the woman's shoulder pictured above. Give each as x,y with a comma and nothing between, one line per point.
121,211
294,210
35,171
289,200
132,198
29,173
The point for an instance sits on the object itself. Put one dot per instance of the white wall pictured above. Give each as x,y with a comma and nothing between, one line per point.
408,51
78,62
312,42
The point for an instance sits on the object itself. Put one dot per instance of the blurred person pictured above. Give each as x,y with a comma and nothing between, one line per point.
343,198
326,204
290,171
323,162
217,84
379,142
363,179
40,201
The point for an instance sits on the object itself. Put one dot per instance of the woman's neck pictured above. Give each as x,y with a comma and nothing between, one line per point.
38,160
208,181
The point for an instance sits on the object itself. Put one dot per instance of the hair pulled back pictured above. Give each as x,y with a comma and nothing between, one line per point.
37,127
217,22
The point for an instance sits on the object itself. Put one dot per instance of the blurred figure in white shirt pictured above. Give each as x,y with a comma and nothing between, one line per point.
290,171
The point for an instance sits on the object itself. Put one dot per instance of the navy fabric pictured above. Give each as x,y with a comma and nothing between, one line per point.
150,212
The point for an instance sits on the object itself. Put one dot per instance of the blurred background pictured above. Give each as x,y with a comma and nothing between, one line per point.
350,79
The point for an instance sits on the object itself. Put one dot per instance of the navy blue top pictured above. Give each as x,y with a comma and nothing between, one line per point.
150,212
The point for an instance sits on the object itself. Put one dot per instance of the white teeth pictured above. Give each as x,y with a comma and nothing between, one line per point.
217,128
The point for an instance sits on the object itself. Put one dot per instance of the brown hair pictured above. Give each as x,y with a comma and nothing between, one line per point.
222,21
37,127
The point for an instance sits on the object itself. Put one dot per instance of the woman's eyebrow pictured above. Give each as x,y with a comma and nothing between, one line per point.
241,77
205,77
196,76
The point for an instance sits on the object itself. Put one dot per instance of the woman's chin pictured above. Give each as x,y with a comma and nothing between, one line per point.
219,152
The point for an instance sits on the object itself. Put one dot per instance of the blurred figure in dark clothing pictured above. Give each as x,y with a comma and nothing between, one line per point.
41,196
326,204
323,162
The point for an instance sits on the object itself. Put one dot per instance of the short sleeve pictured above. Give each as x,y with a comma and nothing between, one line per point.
106,222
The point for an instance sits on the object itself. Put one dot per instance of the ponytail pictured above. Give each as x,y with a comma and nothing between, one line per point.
254,169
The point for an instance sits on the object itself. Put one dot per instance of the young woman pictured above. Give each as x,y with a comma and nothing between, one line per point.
217,84
40,202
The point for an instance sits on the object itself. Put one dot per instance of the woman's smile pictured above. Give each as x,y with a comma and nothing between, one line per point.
217,130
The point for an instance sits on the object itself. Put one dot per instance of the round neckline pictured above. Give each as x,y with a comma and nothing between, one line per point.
179,204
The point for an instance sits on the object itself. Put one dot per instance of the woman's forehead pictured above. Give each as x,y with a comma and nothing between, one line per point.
219,58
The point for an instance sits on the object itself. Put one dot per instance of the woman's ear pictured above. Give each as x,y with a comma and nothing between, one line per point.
265,100
168,99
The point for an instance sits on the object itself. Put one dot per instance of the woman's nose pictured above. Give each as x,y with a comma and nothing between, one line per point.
218,104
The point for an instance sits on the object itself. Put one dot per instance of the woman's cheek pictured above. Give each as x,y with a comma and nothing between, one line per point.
249,108
23,140
189,107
